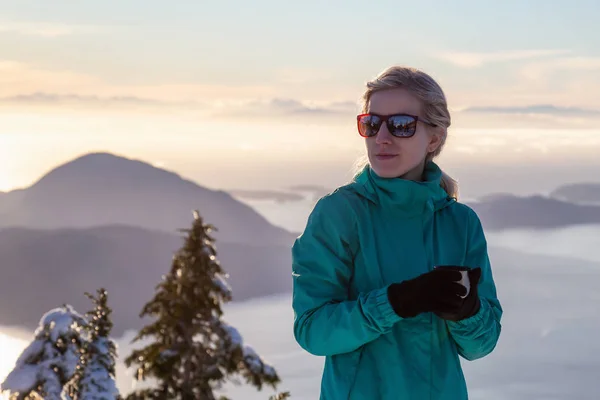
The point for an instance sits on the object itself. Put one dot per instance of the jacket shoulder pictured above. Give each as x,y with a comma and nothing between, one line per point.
463,210
343,201
465,213
336,210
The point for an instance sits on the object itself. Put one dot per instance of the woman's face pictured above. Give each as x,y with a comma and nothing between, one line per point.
391,156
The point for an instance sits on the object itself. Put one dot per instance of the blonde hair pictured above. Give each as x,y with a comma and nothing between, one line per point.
435,108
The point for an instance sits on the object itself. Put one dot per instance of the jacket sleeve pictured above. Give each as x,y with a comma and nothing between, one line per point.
478,335
326,321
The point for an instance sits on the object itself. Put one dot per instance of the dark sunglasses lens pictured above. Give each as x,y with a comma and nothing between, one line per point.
402,125
368,125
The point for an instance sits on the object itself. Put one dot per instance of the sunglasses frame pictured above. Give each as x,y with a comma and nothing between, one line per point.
384,120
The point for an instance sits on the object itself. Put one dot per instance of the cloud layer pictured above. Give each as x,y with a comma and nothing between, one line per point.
478,59
45,29
545,109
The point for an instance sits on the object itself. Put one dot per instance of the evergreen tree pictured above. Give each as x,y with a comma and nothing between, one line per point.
95,375
50,361
280,396
194,351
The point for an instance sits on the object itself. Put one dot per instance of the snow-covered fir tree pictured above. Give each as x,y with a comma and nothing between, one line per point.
50,361
95,375
193,351
280,396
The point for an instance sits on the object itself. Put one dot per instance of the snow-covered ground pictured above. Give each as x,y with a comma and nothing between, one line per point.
548,348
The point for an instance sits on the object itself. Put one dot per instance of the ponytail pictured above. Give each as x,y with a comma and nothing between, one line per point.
449,185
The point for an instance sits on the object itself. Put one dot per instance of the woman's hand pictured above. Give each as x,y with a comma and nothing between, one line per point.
470,305
434,291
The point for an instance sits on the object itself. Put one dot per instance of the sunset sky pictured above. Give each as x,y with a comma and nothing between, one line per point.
263,94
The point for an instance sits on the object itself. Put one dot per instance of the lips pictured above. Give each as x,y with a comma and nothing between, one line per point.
385,156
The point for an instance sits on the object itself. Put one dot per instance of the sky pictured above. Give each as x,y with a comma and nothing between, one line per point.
263,94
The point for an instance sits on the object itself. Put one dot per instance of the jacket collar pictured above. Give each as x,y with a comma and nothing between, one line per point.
410,197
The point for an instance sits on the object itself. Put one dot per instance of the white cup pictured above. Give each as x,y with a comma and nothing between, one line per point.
466,282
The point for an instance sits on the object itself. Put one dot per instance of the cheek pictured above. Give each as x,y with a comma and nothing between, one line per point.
420,143
370,143
413,148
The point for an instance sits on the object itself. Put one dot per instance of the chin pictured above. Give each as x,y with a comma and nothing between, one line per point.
388,171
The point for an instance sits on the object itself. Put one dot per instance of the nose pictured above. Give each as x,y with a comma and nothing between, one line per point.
383,136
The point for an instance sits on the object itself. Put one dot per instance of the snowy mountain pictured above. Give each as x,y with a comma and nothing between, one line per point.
579,193
506,211
103,189
42,269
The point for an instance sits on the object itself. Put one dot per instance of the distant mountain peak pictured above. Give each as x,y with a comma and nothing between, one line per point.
104,159
99,155
103,167
98,189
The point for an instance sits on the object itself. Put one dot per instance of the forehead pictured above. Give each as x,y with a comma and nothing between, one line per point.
394,101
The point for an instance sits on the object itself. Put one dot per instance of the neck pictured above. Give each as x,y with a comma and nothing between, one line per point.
415,174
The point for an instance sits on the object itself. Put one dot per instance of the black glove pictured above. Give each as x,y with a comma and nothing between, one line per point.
470,304
437,290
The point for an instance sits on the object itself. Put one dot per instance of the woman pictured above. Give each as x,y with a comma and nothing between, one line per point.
366,293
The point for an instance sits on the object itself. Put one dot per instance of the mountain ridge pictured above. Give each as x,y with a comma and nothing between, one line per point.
506,211
582,192
102,188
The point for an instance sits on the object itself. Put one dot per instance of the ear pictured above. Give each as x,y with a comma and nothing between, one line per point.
436,137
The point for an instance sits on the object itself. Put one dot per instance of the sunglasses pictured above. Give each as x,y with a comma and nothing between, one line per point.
399,125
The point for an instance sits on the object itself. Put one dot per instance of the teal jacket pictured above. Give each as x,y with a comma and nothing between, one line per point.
358,240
